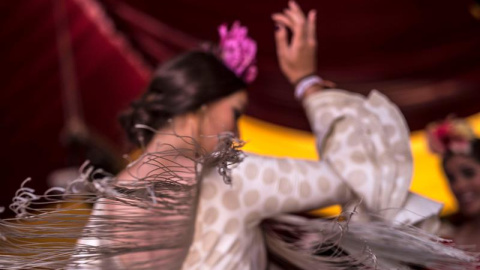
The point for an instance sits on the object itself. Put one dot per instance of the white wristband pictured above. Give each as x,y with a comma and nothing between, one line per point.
305,83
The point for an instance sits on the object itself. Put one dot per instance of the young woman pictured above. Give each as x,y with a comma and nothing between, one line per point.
459,148
193,200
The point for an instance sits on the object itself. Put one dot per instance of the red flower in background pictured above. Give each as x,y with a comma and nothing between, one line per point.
453,135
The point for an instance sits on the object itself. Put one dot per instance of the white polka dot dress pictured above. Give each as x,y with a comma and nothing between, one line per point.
227,235
364,145
365,167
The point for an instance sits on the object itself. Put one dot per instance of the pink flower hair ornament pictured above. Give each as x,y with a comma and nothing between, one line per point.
236,50
452,134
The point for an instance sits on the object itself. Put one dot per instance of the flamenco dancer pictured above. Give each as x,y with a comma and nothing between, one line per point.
194,200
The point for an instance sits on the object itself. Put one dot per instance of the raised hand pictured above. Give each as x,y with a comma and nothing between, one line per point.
298,58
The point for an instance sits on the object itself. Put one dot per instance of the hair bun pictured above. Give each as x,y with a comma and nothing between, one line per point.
179,86
139,113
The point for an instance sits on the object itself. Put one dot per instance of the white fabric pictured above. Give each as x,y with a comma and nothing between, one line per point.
365,152
416,209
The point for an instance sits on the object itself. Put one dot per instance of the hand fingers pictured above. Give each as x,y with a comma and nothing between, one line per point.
296,11
296,16
312,27
280,18
299,37
281,39
289,14
299,28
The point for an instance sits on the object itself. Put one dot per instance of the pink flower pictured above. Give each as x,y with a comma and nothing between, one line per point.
435,143
452,134
238,51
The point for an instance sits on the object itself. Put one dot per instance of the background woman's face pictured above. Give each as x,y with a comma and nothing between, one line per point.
221,116
463,173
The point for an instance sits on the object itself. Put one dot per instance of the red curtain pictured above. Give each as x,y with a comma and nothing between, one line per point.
424,55
109,75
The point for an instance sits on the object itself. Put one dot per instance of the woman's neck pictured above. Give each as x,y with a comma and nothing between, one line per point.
181,134
476,222
171,149
470,226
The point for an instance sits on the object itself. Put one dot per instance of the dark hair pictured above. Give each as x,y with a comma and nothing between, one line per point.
180,85
475,154
459,218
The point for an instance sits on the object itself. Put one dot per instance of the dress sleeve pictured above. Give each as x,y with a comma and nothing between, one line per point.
273,185
366,141
365,160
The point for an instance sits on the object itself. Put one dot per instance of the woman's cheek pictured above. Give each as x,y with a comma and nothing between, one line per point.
227,124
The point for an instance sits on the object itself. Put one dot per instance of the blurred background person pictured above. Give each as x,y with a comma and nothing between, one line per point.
459,149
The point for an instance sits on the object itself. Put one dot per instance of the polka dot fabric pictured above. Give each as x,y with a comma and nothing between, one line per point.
261,187
367,143
365,155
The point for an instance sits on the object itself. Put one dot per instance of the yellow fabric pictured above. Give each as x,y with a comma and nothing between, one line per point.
274,140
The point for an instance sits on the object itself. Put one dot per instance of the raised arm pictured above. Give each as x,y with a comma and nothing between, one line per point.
281,185
288,185
364,141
